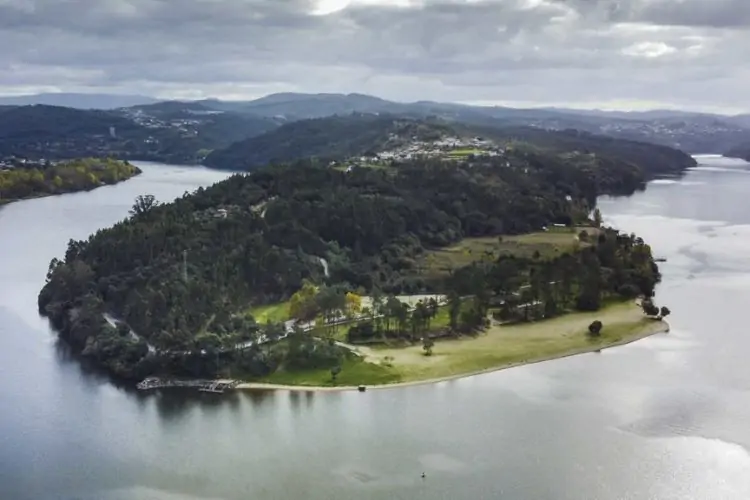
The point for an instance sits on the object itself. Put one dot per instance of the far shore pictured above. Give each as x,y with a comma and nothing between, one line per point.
640,330
36,196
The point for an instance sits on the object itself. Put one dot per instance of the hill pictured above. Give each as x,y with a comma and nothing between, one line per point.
185,132
41,123
261,238
690,132
742,152
653,159
79,101
292,106
342,137
169,132
332,138
741,120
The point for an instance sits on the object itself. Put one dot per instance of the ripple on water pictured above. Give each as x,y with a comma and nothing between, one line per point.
442,463
356,474
674,413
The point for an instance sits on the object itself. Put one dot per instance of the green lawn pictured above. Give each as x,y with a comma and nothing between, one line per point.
276,313
352,373
442,319
508,345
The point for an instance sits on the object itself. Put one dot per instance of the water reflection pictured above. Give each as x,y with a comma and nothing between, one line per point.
175,404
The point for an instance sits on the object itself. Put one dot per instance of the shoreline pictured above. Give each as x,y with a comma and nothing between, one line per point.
38,196
661,326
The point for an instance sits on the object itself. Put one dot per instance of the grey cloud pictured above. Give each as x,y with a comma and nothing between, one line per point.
709,13
510,50
705,13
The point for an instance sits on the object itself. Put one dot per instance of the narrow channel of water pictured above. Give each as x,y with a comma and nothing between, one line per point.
664,418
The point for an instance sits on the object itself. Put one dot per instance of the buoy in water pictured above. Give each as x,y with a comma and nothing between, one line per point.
424,475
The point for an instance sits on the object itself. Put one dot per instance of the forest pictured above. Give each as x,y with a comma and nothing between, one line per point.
608,266
23,181
55,132
184,275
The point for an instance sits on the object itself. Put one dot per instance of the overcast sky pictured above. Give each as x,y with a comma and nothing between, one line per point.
630,54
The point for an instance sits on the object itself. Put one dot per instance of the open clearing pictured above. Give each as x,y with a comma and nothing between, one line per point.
548,244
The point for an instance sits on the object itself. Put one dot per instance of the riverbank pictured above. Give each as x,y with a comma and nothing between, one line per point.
501,347
21,184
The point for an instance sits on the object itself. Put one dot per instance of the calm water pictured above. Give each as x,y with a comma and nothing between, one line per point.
665,418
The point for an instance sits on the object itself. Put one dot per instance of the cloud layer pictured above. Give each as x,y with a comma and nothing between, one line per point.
631,53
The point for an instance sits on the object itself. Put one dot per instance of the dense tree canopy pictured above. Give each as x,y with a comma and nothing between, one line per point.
184,274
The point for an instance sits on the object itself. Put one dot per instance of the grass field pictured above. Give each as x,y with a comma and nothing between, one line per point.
548,244
518,344
499,347
352,371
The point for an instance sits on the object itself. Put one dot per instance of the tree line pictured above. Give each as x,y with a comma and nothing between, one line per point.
46,179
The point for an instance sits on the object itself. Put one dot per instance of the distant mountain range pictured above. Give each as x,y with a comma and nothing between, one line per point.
78,101
297,106
690,132
176,131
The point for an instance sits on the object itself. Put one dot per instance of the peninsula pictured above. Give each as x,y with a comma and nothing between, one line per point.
21,179
437,255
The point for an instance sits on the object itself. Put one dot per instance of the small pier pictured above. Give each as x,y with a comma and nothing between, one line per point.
212,386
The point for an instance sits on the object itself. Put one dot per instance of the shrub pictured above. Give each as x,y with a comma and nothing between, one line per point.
595,328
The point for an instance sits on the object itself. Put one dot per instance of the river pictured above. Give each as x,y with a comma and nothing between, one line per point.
664,418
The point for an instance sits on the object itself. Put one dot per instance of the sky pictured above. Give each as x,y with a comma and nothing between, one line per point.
613,54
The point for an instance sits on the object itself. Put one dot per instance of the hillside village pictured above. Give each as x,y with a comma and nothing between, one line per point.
186,126
449,148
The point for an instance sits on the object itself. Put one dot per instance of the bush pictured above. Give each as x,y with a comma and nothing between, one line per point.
595,328
629,291
649,308
361,331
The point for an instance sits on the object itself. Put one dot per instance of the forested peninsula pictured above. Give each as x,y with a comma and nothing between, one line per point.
309,272
19,181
